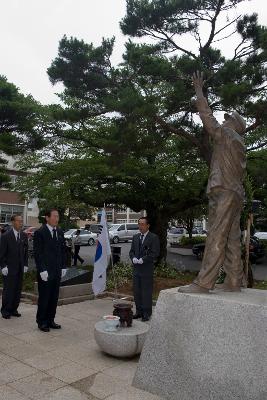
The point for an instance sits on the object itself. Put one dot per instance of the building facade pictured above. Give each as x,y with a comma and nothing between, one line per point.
121,215
11,202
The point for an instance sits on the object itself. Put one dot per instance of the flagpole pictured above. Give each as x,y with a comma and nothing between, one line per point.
112,265
114,276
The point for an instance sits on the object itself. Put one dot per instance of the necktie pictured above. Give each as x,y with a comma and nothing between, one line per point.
18,237
140,243
54,235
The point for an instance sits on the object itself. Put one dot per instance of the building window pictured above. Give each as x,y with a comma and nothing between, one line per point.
121,210
6,212
109,215
121,221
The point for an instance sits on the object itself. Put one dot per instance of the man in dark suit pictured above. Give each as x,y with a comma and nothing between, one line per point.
50,258
144,252
13,263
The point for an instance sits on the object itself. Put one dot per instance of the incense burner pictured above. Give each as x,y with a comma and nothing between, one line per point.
124,311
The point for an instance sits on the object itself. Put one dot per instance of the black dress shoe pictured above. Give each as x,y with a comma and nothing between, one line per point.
137,316
16,314
6,316
44,328
53,325
145,318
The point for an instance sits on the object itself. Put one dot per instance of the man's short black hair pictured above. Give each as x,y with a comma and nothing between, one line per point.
14,216
146,218
49,211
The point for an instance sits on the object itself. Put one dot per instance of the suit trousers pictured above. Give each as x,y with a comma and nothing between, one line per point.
143,290
47,300
223,247
12,286
76,255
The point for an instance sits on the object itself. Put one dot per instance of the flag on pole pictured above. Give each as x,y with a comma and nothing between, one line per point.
102,256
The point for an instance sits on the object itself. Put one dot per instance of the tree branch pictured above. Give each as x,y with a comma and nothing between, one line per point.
213,25
179,132
226,26
253,126
189,53
259,146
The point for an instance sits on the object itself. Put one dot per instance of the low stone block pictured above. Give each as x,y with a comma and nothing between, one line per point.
206,347
72,291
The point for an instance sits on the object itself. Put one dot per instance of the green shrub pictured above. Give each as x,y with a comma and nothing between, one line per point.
264,242
186,241
120,274
166,271
28,281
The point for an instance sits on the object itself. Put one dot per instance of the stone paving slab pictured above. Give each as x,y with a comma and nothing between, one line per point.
63,364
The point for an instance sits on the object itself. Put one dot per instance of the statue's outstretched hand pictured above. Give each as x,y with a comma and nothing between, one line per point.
198,82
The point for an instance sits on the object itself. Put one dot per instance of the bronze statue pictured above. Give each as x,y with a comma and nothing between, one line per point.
226,195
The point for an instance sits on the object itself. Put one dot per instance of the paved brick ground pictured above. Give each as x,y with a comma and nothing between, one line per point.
64,364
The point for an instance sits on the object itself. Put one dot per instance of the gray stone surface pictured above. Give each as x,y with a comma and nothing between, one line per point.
73,293
125,342
206,347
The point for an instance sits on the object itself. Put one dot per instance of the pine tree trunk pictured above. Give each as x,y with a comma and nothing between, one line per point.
189,227
159,225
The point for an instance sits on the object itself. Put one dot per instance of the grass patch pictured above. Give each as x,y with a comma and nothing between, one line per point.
260,285
165,277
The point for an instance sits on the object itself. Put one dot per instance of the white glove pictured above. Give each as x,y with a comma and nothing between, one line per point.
140,261
44,276
63,272
135,260
5,271
25,269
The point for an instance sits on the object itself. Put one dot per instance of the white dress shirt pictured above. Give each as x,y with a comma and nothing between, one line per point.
51,228
16,233
144,236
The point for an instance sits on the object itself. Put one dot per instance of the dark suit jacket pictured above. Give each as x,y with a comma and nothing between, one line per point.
49,255
149,251
14,255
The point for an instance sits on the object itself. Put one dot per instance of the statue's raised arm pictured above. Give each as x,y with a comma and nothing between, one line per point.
210,123
198,82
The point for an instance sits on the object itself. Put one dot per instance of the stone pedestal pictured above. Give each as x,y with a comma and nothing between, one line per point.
72,294
125,342
206,347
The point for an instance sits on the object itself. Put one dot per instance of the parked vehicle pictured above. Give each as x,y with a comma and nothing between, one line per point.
261,235
174,235
256,250
94,228
87,237
122,232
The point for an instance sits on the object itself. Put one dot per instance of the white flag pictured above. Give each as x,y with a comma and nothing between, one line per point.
102,256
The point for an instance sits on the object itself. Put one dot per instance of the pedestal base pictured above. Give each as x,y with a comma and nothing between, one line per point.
206,347
124,342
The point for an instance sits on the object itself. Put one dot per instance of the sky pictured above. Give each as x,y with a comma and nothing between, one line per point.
30,31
